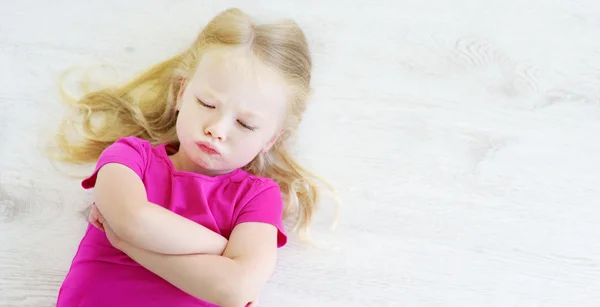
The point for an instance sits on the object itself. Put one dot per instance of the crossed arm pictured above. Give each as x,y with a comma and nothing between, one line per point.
189,256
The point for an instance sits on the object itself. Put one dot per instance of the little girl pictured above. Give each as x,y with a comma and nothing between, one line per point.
193,172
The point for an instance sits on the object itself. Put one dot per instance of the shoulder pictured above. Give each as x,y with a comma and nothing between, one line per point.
129,151
261,202
251,185
130,147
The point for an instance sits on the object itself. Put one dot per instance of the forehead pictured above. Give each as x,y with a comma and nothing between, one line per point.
235,76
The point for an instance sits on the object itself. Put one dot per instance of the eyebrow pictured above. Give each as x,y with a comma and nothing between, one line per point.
210,94
250,115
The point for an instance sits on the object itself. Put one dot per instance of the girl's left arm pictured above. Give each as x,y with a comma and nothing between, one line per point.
231,280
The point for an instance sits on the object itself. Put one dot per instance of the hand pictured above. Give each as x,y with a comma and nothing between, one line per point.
96,218
112,237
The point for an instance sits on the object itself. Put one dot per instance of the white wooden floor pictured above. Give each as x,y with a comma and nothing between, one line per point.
463,137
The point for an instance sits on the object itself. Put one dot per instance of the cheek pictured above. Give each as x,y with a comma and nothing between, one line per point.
187,114
179,128
183,125
254,144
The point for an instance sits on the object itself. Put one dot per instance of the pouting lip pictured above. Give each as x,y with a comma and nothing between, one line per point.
208,145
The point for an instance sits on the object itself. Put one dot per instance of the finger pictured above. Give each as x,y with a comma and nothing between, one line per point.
93,219
98,225
93,215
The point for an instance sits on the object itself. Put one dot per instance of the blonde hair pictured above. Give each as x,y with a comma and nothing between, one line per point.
146,106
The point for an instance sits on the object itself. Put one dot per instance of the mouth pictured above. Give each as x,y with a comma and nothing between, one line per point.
207,148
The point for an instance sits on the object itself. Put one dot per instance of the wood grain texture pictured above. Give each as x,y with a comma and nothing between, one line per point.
462,137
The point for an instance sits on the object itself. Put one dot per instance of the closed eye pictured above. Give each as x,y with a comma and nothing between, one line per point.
205,104
246,125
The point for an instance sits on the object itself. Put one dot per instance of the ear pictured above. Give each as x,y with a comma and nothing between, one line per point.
274,139
181,91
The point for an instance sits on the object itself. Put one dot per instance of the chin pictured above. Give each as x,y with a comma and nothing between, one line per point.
211,163
204,161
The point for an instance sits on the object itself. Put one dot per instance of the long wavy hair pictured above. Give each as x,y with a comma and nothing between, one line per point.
145,107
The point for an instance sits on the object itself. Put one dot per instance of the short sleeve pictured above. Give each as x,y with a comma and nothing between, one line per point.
265,207
127,151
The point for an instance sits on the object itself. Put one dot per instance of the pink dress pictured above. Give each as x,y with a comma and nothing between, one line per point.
101,275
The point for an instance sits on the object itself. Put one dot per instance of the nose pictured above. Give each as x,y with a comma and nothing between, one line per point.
217,129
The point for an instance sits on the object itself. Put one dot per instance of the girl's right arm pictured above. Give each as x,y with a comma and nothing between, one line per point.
121,198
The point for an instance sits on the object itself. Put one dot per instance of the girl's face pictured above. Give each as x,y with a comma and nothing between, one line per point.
229,111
